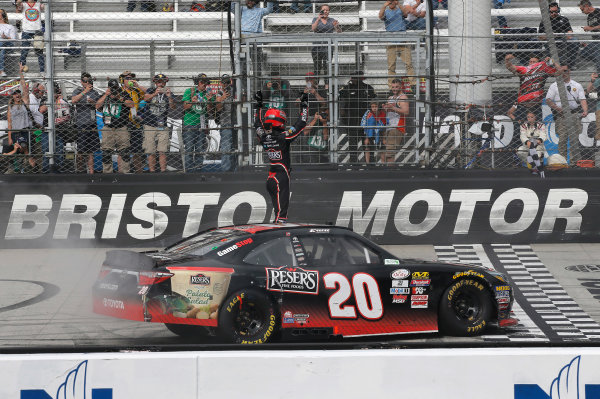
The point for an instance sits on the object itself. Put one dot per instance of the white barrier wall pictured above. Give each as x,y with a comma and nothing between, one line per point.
566,373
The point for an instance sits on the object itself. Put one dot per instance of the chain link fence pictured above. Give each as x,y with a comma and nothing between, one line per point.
150,86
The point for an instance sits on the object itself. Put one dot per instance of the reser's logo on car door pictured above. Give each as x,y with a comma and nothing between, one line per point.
293,279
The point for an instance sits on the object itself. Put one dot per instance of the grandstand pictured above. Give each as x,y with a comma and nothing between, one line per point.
102,38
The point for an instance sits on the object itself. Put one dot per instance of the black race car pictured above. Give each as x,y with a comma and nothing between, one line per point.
254,283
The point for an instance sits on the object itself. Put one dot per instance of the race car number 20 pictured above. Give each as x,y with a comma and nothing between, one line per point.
366,296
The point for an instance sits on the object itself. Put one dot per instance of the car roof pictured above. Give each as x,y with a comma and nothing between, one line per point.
266,227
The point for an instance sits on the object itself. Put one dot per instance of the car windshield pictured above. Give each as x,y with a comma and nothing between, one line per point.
206,242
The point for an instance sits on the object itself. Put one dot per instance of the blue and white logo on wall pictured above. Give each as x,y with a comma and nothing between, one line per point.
75,386
565,386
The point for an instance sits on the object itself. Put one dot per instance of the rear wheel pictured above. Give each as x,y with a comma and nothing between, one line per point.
465,309
248,317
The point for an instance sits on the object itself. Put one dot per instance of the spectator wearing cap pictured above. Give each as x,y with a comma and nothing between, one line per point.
131,86
17,153
591,50
17,115
158,101
31,26
567,51
63,133
322,24
354,98
251,24
115,105
84,100
392,14
7,33
198,101
226,107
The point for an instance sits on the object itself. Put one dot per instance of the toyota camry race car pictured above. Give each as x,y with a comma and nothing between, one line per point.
255,283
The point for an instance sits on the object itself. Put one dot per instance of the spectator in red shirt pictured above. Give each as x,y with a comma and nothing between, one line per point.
532,81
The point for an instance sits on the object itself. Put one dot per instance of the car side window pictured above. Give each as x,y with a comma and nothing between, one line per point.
358,253
337,250
275,252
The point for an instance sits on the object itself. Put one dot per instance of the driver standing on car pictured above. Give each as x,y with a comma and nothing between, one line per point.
276,141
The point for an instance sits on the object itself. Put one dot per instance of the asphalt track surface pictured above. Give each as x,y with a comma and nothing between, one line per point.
45,300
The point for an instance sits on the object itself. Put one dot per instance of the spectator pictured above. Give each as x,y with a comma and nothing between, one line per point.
38,110
31,26
533,135
62,126
577,105
591,50
415,11
115,104
354,99
322,24
251,23
317,138
226,102
317,97
306,9
440,4
17,116
197,103
374,121
594,85
167,7
136,130
532,80
397,110
498,4
84,100
392,15
567,52
158,100
144,5
277,92
7,32
17,153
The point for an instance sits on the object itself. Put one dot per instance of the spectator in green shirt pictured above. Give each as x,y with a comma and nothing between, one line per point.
198,102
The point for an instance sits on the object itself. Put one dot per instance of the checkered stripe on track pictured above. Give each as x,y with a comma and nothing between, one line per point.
526,330
545,295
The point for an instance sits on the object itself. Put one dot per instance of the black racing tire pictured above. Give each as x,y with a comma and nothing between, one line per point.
466,308
187,330
248,317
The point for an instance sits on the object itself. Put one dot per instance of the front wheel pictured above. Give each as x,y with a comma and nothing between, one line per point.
465,309
248,317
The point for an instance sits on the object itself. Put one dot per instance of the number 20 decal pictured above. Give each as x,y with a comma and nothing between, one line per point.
366,295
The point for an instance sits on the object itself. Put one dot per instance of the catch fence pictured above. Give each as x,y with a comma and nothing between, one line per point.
420,97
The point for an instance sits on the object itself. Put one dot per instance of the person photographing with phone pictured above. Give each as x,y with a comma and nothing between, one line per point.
322,24
276,141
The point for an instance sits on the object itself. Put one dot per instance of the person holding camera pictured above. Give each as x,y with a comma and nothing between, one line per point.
577,105
277,92
322,24
84,100
115,104
198,103
392,15
227,116
16,152
130,85
159,100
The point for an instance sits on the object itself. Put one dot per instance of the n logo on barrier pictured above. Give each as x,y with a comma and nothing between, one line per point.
565,385
74,387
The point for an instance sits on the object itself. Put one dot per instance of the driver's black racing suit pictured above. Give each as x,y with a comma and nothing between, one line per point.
276,143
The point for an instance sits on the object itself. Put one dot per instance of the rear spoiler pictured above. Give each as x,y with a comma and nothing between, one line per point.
129,260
